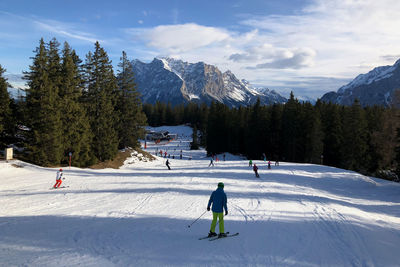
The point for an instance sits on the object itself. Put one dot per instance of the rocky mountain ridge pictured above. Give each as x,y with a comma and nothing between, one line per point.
377,87
175,81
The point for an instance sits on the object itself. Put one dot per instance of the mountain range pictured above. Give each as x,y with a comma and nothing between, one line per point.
174,81
376,87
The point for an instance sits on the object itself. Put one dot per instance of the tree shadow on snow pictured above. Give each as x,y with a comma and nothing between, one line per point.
158,241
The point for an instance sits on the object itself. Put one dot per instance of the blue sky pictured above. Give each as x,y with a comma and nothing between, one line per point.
308,46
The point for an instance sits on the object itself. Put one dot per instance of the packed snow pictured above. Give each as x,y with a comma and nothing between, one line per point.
138,215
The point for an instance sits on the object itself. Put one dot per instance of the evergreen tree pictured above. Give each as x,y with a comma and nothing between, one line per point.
5,111
132,118
43,107
355,138
312,135
291,129
276,129
333,135
377,119
212,130
76,137
397,157
194,145
101,100
256,130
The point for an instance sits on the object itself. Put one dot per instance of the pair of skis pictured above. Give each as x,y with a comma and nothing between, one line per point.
212,238
59,187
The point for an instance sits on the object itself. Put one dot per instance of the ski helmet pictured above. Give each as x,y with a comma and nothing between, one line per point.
221,185
60,170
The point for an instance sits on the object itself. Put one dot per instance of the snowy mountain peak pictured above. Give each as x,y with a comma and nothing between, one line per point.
373,88
175,81
374,75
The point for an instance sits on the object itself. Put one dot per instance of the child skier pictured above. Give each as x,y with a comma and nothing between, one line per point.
219,203
255,169
58,178
250,163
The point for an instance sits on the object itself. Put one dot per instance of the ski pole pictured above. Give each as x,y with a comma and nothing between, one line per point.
197,219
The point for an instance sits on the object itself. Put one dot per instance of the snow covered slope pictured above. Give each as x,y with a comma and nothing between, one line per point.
294,215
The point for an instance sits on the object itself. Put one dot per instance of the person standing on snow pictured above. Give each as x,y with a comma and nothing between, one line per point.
167,163
211,162
269,164
250,163
219,203
58,179
255,169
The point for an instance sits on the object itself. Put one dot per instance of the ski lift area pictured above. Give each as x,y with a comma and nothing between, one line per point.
160,136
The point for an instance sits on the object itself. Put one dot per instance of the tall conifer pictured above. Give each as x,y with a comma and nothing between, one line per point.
5,111
101,101
333,135
291,129
43,107
132,118
76,137
355,138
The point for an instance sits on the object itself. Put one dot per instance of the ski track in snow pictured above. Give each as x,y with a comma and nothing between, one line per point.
293,215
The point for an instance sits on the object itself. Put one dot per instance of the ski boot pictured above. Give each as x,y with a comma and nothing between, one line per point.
211,234
222,235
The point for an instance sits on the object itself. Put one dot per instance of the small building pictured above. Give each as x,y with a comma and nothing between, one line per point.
9,153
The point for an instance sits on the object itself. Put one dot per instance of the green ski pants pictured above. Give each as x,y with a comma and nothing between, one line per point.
220,217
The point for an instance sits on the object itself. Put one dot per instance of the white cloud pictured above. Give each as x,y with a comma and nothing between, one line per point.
276,58
297,59
342,32
180,38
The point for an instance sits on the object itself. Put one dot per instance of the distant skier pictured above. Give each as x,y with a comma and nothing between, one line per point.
269,164
224,156
58,178
255,169
250,163
219,203
167,163
276,163
211,162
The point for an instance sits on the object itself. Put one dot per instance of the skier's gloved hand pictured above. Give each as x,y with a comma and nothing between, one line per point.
226,212
208,208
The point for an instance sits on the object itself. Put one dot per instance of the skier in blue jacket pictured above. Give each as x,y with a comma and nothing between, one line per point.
219,203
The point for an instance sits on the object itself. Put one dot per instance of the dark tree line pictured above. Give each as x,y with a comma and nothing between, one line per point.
366,139
73,107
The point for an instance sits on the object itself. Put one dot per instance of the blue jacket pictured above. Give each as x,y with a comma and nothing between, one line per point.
219,200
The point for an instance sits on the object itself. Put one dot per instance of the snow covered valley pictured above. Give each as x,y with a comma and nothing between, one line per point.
138,215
